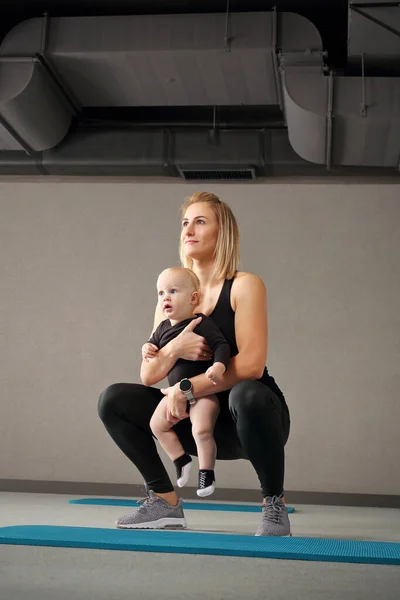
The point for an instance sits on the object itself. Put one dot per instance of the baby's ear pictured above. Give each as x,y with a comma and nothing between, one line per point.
195,298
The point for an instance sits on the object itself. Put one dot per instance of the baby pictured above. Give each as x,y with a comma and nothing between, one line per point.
178,294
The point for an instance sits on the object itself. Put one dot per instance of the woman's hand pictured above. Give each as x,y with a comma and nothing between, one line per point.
176,404
191,346
149,351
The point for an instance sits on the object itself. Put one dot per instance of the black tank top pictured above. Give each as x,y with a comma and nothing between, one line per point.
224,317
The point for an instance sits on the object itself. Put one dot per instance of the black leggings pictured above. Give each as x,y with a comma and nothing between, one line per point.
253,424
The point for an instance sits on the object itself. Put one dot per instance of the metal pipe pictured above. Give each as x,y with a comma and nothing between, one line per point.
45,33
17,59
329,119
168,147
227,38
275,64
363,104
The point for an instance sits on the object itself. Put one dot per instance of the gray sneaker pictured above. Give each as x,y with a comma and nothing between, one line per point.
275,519
154,513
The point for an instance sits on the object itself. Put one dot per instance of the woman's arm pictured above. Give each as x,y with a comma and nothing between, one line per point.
186,345
249,301
155,369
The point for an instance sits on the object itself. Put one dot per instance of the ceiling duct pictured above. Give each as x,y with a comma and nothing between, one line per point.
340,120
374,33
240,59
157,60
163,152
343,120
33,116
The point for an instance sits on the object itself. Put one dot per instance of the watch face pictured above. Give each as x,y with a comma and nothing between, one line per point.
185,385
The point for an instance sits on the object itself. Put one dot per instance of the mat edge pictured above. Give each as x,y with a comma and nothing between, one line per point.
222,494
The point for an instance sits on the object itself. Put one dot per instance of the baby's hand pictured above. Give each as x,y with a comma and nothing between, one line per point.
215,372
149,351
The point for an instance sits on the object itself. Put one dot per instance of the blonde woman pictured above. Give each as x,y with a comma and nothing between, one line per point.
253,422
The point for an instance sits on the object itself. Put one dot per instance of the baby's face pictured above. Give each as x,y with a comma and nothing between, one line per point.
175,295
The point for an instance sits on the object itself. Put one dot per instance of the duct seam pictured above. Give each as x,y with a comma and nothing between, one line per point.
44,60
27,148
39,163
228,38
375,20
275,64
363,102
329,119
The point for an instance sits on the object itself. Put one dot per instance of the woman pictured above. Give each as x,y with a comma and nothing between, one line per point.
254,419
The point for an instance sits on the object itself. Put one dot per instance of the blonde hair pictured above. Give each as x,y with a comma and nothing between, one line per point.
195,281
189,274
226,255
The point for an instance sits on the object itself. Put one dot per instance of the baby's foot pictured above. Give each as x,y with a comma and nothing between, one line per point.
183,464
206,482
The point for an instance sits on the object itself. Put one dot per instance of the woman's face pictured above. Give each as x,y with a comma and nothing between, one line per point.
199,231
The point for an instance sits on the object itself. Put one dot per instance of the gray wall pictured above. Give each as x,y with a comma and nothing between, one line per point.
79,261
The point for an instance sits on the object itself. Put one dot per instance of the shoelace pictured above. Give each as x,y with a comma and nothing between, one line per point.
146,490
202,479
148,500
273,510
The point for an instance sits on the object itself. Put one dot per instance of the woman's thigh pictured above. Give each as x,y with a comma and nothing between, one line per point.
225,432
254,402
249,397
133,402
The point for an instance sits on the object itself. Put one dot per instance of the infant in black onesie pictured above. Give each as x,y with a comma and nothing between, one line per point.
178,294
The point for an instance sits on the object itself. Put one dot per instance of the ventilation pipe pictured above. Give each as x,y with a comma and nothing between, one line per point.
170,60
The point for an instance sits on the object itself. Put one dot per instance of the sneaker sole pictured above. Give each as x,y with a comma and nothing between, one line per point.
260,535
160,524
206,492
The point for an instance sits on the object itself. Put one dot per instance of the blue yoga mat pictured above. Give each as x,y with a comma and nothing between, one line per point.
326,550
186,505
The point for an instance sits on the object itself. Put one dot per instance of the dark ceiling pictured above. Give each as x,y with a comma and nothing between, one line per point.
330,16
121,125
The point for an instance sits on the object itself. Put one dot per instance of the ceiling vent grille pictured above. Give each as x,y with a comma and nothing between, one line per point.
217,174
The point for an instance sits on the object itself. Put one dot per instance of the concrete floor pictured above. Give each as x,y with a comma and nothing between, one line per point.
72,574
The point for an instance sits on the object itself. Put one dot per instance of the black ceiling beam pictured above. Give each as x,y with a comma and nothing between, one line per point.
187,116
170,6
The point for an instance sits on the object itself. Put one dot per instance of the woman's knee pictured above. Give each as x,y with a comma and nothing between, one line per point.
250,396
109,399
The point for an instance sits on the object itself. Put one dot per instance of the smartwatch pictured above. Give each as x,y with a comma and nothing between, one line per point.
185,385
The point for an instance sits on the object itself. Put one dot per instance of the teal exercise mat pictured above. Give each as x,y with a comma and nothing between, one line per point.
186,505
313,549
